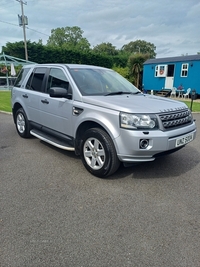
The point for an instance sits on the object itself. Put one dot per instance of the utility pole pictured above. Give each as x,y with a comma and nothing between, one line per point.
22,22
138,49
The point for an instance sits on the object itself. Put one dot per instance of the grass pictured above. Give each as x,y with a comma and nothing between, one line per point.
195,105
5,102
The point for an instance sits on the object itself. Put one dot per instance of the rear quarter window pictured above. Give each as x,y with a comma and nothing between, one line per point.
21,77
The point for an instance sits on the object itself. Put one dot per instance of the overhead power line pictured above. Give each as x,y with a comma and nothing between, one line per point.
9,23
37,31
28,28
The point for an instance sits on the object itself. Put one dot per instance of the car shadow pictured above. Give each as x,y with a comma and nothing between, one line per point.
172,165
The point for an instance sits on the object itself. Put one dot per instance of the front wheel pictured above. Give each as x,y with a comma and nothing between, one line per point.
22,123
98,153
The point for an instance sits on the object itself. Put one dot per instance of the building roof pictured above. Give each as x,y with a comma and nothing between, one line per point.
172,59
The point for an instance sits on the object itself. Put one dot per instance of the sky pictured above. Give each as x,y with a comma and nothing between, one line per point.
173,26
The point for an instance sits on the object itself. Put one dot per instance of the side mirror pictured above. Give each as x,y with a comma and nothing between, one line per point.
59,92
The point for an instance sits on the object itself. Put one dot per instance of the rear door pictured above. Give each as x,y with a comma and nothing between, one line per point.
34,93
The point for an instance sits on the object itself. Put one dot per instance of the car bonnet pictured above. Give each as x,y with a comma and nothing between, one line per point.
140,103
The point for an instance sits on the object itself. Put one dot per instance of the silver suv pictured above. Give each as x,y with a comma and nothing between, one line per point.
98,114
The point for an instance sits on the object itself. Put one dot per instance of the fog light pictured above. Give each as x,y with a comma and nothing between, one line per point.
144,143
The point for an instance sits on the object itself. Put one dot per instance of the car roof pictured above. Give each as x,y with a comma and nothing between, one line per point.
70,66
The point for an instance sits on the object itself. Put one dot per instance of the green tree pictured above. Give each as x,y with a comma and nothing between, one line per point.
69,38
105,48
124,72
141,47
135,64
17,50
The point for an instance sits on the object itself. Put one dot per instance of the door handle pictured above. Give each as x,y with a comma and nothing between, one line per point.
25,96
45,101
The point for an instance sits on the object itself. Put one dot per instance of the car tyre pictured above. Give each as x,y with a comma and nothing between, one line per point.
98,153
22,123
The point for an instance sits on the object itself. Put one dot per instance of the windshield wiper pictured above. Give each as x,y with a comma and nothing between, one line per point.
118,93
138,92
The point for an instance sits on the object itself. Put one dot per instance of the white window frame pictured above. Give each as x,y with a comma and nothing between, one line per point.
161,70
156,71
184,70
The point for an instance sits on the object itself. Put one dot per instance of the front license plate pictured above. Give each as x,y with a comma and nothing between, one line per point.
181,141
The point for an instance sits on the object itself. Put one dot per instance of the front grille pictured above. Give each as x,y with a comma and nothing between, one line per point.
175,119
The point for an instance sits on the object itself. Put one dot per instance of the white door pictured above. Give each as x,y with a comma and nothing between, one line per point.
169,82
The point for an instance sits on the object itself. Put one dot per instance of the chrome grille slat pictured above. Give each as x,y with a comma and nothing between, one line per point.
174,119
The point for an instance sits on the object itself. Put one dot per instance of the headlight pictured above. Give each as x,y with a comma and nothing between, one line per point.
138,121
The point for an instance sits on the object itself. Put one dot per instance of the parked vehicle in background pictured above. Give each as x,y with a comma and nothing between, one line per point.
99,115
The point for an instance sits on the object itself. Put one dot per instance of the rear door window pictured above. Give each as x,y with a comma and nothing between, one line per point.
36,80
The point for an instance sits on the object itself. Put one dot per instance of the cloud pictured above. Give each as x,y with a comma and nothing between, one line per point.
172,26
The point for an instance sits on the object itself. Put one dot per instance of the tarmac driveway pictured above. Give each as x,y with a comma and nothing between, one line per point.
54,213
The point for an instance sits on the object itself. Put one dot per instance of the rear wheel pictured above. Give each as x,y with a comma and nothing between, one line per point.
98,153
22,123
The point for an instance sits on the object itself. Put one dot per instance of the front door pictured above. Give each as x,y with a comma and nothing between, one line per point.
169,80
56,112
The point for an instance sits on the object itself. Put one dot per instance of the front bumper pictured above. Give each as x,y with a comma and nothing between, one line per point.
160,142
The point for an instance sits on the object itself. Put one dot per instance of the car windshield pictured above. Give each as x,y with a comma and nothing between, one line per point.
101,82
